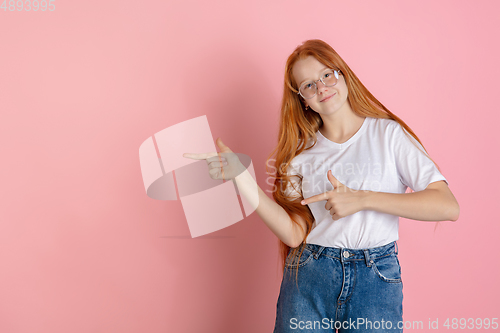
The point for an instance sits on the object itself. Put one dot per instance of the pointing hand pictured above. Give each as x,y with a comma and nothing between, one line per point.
224,165
341,201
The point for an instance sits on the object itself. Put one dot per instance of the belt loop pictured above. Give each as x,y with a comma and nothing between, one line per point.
396,244
367,258
317,254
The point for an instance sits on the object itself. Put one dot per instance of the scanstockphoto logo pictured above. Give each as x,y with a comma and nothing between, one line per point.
209,204
361,324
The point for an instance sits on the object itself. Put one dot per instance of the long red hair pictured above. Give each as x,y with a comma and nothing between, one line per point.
298,125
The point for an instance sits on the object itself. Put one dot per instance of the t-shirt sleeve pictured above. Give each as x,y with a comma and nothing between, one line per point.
294,187
415,169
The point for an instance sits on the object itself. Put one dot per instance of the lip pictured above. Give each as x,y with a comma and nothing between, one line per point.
327,98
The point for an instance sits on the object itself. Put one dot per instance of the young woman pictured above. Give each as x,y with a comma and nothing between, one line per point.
352,160
343,162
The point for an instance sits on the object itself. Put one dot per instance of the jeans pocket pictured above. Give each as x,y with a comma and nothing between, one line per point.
387,268
295,260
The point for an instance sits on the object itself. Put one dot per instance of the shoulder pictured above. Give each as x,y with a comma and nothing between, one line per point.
392,129
402,139
381,123
385,124
392,134
313,147
295,165
384,128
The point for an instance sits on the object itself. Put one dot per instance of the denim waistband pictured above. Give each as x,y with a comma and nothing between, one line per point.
345,254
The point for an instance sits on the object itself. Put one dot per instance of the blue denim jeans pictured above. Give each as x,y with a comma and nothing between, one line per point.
341,290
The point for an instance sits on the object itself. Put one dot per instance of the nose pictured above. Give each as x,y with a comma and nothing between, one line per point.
320,86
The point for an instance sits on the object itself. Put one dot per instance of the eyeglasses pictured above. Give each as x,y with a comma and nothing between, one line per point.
328,78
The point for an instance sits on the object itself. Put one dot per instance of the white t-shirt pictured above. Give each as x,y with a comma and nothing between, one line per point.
378,157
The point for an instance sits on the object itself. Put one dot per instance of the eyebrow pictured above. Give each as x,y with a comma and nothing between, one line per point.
321,71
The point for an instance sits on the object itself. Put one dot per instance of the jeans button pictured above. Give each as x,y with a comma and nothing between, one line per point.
346,254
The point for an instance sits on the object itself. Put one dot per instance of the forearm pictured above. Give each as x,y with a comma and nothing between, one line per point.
426,205
273,215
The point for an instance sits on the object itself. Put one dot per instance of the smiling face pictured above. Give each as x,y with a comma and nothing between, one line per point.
327,99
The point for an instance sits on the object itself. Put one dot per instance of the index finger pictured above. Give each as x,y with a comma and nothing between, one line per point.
199,156
315,198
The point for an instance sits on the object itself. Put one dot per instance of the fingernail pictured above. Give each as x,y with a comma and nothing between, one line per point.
303,202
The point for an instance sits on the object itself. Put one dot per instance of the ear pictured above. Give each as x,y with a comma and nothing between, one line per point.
304,103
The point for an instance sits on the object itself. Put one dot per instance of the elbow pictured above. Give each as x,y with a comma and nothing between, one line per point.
295,243
455,212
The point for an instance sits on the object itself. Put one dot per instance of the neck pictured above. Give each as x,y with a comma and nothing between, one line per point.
341,125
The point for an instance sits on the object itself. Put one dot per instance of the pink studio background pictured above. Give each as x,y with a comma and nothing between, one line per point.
83,249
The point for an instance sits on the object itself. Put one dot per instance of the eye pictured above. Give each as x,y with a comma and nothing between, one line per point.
308,85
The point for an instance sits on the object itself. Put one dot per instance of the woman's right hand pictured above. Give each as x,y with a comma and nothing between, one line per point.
224,165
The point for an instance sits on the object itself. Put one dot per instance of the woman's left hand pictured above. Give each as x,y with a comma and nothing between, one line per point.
341,201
